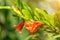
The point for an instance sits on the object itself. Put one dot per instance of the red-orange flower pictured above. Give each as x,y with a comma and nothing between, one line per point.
20,26
32,26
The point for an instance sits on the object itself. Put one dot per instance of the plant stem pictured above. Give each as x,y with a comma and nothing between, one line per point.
5,7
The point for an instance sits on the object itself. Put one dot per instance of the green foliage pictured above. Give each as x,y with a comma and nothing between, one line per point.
57,19
25,12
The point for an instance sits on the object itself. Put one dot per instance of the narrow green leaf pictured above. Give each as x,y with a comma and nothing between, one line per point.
25,6
26,14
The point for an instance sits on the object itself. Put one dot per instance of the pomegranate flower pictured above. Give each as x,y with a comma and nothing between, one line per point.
32,26
20,26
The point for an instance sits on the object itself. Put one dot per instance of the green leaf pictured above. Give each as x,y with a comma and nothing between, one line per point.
26,14
48,19
28,8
